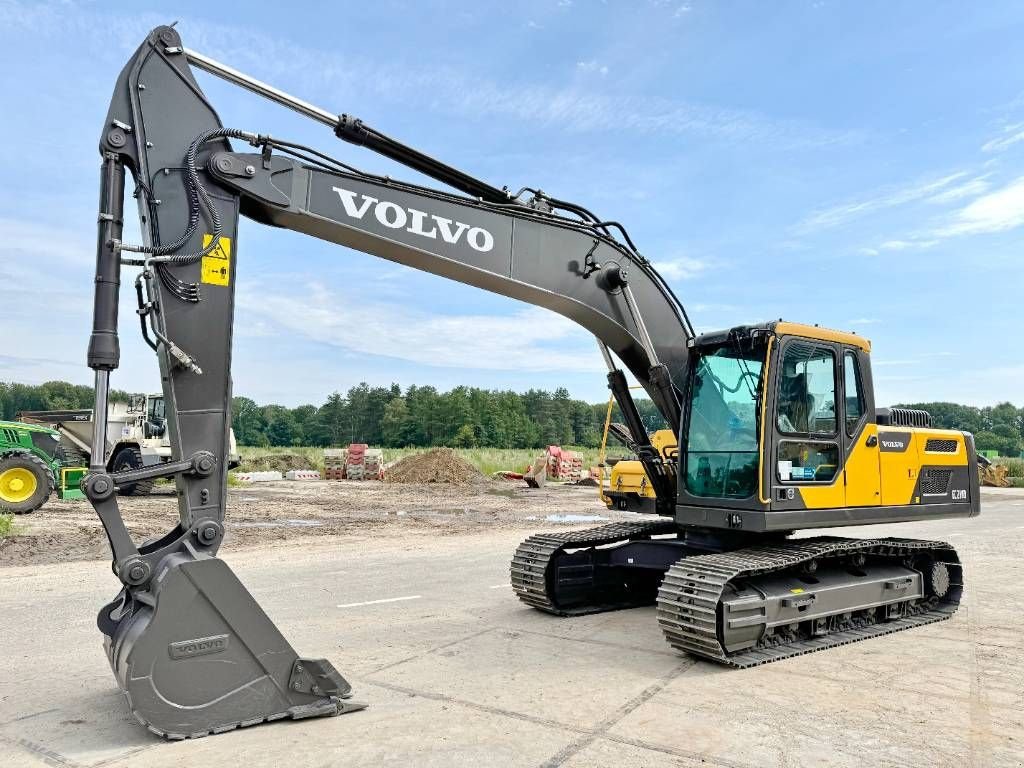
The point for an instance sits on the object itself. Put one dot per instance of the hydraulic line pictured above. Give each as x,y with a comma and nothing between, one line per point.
355,131
196,193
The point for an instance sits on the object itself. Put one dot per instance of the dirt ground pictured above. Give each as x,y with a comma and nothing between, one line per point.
264,513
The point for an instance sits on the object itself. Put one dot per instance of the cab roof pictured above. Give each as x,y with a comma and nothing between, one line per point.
779,328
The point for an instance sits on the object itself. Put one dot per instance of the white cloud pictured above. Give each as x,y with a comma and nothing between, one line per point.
531,339
1012,134
972,188
865,321
592,66
883,199
995,212
681,268
306,71
903,245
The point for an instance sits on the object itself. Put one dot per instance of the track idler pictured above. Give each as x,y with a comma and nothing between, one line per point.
195,654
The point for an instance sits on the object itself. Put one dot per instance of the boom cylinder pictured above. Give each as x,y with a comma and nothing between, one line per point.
104,350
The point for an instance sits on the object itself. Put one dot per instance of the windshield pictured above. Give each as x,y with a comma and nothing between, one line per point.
721,445
156,409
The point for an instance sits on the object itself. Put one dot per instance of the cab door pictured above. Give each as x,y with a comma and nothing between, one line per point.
862,472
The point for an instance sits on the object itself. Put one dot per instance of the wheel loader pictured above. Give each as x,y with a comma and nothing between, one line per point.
775,426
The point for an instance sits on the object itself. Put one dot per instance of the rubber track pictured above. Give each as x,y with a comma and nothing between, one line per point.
692,589
533,558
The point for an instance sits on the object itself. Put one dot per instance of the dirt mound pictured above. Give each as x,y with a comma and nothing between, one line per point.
439,465
280,462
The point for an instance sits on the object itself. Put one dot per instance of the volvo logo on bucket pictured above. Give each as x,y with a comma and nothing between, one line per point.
201,646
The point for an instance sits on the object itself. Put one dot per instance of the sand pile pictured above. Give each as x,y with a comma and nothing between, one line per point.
281,462
438,465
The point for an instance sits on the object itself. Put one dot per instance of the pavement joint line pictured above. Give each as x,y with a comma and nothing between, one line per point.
591,641
501,586
159,742
379,602
605,725
665,750
28,716
979,715
443,697
46,755
427,652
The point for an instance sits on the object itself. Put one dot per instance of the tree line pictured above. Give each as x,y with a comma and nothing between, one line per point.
465,417
995,427
51,396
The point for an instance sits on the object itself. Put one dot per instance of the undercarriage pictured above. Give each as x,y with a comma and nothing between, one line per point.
742,603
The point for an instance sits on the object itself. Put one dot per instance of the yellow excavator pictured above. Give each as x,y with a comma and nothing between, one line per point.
773,427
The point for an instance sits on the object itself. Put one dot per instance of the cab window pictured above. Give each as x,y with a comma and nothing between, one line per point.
807,390
722,438
807,461
854,396
806,414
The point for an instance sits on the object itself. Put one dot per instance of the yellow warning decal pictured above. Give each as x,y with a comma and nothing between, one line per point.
797,590
217,263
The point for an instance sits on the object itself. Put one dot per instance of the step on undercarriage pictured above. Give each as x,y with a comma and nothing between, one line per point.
745,606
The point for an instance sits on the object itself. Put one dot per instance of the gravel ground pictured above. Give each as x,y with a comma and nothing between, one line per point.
262,513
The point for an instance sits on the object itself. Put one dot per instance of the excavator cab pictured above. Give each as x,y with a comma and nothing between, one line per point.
780,432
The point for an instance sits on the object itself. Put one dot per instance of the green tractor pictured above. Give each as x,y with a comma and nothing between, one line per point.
30,466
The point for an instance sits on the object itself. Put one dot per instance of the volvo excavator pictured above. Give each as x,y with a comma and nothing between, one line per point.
774,427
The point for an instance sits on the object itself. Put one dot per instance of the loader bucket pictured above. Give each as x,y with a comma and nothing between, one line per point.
194,654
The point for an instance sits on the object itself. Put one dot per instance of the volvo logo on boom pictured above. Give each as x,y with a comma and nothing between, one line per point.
432,226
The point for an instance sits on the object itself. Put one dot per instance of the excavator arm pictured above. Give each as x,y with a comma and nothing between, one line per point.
180,607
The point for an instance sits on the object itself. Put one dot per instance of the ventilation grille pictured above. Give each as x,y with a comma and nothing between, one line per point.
936,445
935,482
10,435
909,417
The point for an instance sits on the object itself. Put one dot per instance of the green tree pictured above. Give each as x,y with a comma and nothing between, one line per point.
465,437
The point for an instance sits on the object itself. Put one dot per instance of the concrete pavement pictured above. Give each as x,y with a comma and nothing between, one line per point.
458,672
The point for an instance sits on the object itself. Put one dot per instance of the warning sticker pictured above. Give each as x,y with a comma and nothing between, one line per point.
217,263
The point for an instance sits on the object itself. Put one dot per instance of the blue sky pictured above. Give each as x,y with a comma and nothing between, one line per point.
857,165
